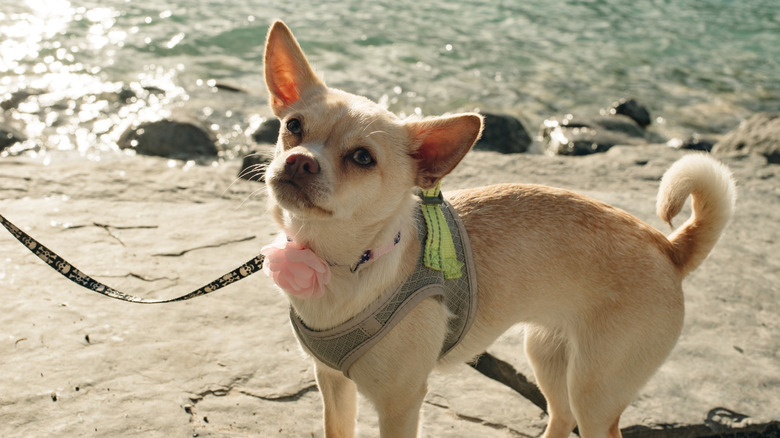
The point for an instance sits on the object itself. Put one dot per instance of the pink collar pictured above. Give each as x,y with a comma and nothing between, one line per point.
302,273
376,253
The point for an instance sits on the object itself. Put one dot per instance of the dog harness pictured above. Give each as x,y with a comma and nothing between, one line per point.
341,346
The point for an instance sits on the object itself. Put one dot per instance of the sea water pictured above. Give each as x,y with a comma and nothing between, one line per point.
75,74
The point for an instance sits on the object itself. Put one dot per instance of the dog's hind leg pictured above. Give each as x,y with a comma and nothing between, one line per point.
339,399
548,356
605,372
597,412
614,351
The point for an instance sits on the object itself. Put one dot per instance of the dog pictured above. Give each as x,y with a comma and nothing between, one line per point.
599,291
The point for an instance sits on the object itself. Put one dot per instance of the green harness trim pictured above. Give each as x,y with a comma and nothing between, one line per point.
439,251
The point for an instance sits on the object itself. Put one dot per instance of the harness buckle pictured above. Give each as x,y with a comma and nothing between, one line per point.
432,200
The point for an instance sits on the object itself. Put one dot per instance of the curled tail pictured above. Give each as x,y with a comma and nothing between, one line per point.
714,192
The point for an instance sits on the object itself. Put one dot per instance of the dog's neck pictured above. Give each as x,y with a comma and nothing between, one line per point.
350,292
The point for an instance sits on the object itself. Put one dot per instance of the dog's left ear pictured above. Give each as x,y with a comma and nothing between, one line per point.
440,143
288,74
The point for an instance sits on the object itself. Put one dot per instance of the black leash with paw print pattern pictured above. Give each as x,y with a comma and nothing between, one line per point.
70,272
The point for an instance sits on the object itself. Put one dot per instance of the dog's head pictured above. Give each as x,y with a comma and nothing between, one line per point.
343,156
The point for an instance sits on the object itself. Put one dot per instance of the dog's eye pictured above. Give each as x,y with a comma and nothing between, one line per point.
294,126
362,157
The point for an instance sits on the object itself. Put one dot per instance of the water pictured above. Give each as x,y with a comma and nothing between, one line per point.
698,65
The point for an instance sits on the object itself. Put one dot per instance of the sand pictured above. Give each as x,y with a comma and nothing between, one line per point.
74,363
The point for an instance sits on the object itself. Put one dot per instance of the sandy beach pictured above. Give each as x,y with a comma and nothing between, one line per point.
75,363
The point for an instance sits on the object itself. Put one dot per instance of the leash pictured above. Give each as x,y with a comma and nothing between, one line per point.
70,272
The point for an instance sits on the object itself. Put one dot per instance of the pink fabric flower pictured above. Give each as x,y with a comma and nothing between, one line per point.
297,270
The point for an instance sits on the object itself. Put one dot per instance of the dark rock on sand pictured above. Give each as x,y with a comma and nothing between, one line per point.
633,109
570,136
155,91
227,87
268,132
692,143
179,139
503,133
9,135
126,95
758,134
18,97
254,164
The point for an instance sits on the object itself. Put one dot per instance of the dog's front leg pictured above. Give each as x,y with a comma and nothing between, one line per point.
393,375
399,414
339,399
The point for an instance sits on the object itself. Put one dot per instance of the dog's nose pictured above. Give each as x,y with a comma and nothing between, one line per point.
300,164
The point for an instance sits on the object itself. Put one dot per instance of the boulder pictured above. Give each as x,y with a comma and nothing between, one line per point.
268,132
759,134
691,143
18,97
633,109
503,133
227,87
126,95
570,136
9,135
169,138
254,164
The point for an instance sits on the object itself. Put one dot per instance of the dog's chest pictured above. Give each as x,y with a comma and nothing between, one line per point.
341,346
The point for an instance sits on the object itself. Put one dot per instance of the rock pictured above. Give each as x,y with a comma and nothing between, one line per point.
155,91
126,95
117,98
254,164
503,133
169,138
9,135
570,136
633,109
692,143
18,97
758,134
226,87
268,132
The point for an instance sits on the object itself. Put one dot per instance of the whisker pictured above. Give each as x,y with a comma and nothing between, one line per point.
252,168
241,205
248,174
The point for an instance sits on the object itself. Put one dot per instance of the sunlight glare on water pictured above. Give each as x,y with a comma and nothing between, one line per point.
24,32
76,74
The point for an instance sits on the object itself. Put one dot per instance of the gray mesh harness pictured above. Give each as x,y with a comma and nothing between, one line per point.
341,346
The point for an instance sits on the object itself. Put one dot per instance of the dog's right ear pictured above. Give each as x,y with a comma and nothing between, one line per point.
288,74
440,143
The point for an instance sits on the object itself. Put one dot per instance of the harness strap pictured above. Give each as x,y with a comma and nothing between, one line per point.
75,275
341,346
439,248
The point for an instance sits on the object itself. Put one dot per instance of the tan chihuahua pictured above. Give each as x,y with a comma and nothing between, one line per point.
598,290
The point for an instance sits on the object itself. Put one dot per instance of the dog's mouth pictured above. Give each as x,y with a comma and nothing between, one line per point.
291,196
